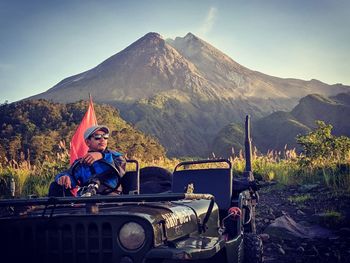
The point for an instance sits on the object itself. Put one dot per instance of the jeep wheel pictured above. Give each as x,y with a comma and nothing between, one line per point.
154,179
253,248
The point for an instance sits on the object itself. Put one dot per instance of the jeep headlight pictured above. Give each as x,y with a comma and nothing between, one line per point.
132,236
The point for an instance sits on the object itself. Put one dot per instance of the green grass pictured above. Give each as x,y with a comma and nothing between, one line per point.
285,168
299,199
331,219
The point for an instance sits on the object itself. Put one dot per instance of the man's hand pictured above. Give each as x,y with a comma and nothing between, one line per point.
65,181
91,157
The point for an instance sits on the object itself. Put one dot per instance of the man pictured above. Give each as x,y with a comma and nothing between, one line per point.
97,168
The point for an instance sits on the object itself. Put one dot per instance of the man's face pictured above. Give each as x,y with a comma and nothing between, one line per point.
97,142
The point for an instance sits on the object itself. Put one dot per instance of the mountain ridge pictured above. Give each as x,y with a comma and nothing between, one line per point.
281,128
189,64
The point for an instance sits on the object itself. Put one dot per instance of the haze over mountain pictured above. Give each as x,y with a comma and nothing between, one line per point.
183,91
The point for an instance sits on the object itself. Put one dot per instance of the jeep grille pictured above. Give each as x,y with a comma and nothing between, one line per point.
73,239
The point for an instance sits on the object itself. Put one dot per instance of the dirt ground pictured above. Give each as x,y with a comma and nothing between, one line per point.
310,205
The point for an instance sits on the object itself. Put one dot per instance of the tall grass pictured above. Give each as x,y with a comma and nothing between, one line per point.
20,174
282,166
274,165
286,168
31,179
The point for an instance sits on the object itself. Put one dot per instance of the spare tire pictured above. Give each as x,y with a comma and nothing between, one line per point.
154,179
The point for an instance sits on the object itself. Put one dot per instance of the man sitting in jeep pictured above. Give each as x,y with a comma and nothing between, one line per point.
98,171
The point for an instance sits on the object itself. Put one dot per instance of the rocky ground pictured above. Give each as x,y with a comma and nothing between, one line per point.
307,223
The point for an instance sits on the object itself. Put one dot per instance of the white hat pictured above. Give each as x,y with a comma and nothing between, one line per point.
91,130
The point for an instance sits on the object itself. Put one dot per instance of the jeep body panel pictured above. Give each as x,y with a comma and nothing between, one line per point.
83,231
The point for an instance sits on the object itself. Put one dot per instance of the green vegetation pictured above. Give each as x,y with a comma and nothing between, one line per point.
321,148
325,156
331,219
33,130
325,159
31,179
34,135
299,199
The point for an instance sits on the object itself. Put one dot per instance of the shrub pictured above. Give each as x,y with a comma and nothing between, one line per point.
321,148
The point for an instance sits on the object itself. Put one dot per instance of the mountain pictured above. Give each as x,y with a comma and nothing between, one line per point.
183,91
273,132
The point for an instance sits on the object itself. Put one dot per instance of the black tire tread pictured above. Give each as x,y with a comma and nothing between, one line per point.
253,248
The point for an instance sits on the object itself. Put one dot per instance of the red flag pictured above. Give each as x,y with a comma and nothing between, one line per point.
78,148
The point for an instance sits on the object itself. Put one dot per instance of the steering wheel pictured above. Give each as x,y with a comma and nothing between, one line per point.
102,177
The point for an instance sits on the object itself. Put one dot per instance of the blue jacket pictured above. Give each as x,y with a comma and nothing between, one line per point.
84,173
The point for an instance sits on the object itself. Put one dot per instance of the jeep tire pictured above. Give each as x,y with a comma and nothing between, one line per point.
154,179
253,248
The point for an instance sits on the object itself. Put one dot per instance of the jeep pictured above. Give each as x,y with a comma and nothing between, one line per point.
208,216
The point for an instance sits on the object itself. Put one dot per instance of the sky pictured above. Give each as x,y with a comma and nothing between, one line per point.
44,41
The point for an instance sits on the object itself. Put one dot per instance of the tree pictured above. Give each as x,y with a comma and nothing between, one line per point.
14,148
320,146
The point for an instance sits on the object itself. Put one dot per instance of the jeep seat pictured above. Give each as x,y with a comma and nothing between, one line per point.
215,181
131,179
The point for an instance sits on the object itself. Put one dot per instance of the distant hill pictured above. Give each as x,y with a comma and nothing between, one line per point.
33,129
332,110
183,90
229,141
281,128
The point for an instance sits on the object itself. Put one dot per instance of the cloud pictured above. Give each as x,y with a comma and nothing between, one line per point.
208,22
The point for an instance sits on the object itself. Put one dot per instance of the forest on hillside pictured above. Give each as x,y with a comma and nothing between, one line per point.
33,130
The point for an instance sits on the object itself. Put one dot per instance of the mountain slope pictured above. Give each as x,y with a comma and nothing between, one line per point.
190,65
280,128
183,91
145,68
233,80
315,107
